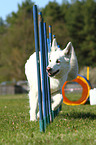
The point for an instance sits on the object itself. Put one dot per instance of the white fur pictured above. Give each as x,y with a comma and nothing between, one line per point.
68,70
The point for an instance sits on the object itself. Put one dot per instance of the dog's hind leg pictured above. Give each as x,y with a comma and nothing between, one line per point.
33,101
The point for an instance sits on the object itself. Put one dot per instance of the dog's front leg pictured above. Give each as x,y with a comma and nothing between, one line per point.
57,100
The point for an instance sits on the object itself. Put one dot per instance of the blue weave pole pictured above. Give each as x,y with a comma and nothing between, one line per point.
50,35
54,36
48,79
49,47
35,19
45,65
43,71
44,95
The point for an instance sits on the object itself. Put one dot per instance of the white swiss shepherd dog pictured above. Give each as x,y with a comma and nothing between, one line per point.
62,66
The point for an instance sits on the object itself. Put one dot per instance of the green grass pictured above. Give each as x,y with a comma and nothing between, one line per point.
73,96
75,125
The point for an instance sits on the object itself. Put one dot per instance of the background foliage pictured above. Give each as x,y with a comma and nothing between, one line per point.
75,22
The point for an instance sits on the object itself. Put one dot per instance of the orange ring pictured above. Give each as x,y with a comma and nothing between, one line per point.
85,93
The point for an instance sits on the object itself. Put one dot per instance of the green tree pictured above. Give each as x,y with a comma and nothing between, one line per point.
53,16
74,21
52,12
1,21
17,44
88,49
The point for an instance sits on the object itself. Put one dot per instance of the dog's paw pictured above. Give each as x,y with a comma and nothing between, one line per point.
33,118
38,115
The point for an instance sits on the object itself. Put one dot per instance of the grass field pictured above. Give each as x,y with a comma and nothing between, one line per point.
75,125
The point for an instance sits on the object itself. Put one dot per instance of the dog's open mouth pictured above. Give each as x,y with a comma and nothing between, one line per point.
52,74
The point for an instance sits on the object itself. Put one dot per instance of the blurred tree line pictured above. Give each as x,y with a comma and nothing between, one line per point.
75,22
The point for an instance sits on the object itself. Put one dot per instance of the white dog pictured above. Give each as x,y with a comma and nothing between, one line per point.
62,66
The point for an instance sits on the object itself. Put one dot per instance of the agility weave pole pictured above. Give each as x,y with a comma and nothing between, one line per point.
44,97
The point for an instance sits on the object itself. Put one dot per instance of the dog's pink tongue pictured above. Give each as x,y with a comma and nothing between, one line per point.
49,74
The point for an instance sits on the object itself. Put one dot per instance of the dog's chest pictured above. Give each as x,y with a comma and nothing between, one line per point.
55,84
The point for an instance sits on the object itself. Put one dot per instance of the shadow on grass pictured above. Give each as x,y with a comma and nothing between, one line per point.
79,115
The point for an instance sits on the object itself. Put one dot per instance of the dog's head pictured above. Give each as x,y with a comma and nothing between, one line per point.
59,60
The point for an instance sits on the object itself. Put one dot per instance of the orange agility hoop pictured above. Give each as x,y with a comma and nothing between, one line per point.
85,92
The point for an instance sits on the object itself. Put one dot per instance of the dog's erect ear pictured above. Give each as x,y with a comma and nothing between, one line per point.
54,45
68,49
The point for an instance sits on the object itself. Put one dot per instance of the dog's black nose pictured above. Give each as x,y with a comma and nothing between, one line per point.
49,69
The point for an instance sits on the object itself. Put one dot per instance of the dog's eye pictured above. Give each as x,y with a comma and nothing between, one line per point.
58,61
50,60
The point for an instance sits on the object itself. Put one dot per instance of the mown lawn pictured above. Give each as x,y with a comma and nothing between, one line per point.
75,125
